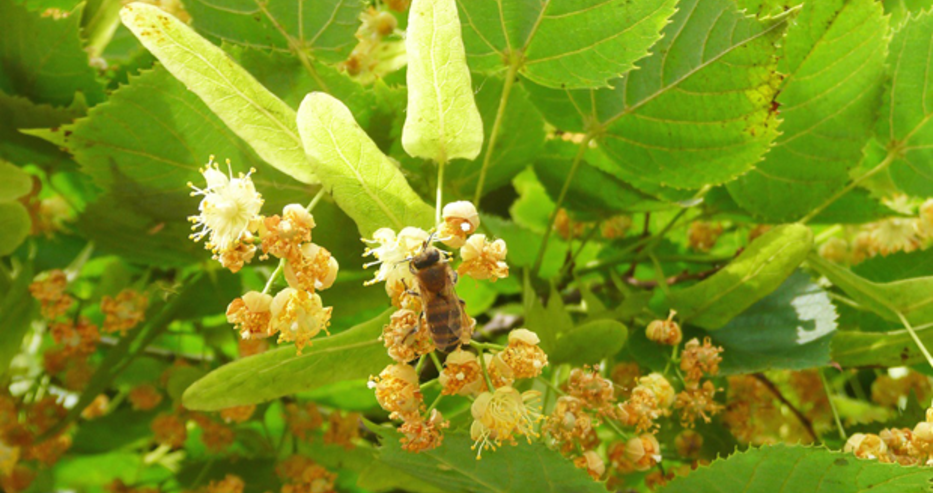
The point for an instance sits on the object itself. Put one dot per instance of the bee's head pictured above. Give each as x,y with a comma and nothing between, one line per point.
428,257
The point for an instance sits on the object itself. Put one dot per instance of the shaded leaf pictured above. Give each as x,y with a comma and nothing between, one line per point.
790,329
15,184
364,182
896,267
15,225
17,308
798,468
353,354
906,118
453,466
323,28
19,114
248,108
571,45
912,298
442,122
547,321
42,58
589,343
833,66
855,207
755,273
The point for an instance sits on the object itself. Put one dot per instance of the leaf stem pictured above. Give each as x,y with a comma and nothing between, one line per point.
434,404
892,154
482,365
832,405
497,123
913,335
440,191
584,145
437,361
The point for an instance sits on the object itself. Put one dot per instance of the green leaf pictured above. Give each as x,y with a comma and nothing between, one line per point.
442,122
790,329
758,271
141,148
697,112
901,10
364,182
353,354
912,298
906,122
14,226
248,108
42,58
21,148
453,466
855,207
570,45
17,308
766,8
798,468
547,321
833,66
589,343
323,28
852,349
15,184
896,267
593,194
521,138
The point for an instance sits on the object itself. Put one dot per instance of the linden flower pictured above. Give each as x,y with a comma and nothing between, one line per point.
665,331
397,391
589,386
391,256
925,221
9,456
229,207
698,360
460,221
894,235
169,429
866,446
462,374
80,339
123,312
592,462
644,452
499,416
283,236
697,402
240,255
237,414
144,397
303,420
314,269
702,236
688,443
523,355
835,250
403,339
660,387
50,291
298,316
569,423
251,315
423,434
229,484
483,260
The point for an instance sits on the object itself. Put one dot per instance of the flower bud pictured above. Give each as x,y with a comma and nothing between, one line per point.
644,452
665,331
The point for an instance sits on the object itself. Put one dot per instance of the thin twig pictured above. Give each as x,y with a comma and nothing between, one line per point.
804,420
832,405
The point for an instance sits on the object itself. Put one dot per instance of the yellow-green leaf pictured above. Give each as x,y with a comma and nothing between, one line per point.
249,109
365,183
758,271
442,121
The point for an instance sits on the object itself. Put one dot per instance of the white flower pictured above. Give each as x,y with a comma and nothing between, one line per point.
228,208
392,255
483,259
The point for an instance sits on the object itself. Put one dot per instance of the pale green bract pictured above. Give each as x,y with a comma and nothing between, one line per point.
833,65
249,109
561,44
364,182
443,122
905,124
758,271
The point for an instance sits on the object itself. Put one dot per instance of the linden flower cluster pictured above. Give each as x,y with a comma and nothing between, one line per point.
891,235
380,49
902,446
230,219
500,412
21,452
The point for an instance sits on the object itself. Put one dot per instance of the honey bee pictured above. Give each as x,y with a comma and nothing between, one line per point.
444,312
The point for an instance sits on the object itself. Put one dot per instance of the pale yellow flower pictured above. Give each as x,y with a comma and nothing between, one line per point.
298,316
460,221
484,260
229,208
501,416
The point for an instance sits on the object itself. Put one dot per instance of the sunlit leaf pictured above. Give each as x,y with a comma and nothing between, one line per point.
798,468
14,226
570,45
833,64
905,123
589,343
